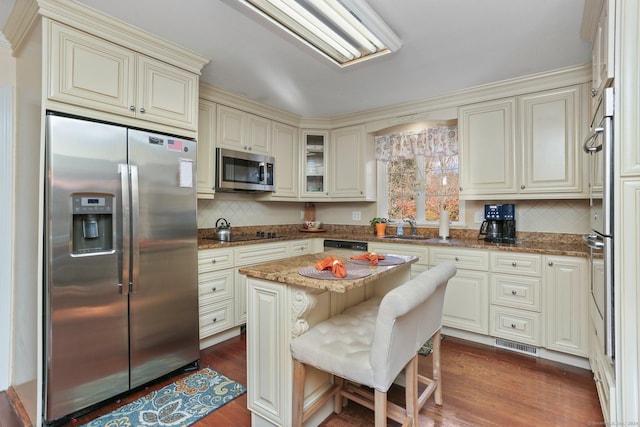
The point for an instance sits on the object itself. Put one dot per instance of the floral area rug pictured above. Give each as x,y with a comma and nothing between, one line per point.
427,347
181,403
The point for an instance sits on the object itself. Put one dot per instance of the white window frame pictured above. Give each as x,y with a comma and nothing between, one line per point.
383,202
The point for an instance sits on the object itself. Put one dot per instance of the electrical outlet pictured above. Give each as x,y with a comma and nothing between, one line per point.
478,217
356,215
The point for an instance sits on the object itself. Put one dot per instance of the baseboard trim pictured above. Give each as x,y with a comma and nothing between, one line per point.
18,408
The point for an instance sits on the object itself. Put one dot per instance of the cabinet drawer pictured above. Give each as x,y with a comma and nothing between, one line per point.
422,252
214,259
300,247
463,258
516,291
517,325
254,254
215,286
529,264
216,318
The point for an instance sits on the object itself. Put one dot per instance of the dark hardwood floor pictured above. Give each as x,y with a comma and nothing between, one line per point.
482,386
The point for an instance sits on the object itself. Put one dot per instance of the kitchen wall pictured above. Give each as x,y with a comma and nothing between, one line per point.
7,85
545,216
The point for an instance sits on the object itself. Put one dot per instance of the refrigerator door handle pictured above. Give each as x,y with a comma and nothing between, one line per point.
125,253
135,219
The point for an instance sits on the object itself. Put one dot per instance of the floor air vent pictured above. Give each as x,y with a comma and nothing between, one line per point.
516,346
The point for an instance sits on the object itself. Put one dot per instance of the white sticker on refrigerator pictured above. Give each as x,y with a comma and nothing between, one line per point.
186,173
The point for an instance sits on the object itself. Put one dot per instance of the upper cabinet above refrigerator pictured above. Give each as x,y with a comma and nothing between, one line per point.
601,32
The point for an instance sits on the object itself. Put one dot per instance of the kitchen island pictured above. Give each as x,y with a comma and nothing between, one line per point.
285,299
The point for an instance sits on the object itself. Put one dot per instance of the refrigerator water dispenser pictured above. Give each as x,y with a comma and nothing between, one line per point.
92,224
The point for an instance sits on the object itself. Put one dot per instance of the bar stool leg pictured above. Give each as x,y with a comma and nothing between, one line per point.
298,393
436,367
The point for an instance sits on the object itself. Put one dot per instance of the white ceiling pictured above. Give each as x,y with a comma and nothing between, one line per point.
446,45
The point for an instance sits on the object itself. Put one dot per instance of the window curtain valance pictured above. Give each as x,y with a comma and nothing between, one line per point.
438,141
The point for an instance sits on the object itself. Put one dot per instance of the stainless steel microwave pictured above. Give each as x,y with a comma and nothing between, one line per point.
240,171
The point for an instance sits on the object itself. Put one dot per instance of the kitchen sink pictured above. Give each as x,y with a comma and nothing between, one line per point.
409,237
421,239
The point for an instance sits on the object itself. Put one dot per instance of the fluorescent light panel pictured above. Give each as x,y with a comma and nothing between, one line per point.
346,31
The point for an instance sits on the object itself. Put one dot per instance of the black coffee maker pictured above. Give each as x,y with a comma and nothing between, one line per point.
499,225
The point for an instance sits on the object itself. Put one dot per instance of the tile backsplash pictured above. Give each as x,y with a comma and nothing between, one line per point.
546,216
550,216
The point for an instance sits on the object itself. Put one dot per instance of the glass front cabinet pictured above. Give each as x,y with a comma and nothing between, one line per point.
315,164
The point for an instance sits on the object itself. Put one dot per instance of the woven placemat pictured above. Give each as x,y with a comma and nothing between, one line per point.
353,272
388,260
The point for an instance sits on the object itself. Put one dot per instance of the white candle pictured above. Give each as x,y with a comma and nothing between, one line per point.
444,224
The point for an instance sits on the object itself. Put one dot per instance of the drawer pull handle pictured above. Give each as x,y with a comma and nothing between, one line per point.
514,264
214,289
457,258
513,325
213,261
514,292
214,320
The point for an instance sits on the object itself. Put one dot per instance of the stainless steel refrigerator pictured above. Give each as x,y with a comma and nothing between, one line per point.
121,292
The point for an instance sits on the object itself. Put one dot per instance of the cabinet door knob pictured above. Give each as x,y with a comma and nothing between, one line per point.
213,261
514,264
522,187
132,107
550,263
460,188
513,326
214,320
214,289
457,258
594,92
142,110
513,292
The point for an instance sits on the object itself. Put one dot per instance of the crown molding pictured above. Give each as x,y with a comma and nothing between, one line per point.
25,13
590,17
442,107
511,87
230,99
20,23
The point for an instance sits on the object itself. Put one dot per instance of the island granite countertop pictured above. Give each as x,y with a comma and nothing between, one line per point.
288,271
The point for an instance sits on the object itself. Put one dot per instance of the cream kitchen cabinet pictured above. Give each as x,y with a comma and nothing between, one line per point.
206,149
242,131
486,134
337,165
551,124
348,163
91,72
544,161
314,158
602,52
515,312
253,254
566,304
285,150
466,302
215,293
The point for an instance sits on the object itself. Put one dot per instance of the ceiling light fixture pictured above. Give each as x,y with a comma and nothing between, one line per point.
346,31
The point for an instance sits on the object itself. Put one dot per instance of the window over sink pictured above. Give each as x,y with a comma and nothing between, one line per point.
419,172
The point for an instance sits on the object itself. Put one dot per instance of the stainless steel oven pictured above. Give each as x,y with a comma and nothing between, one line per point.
599,145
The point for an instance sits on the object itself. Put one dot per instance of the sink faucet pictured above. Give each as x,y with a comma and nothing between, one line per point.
412,223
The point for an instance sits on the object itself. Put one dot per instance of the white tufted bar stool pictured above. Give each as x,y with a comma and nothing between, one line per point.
370,344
